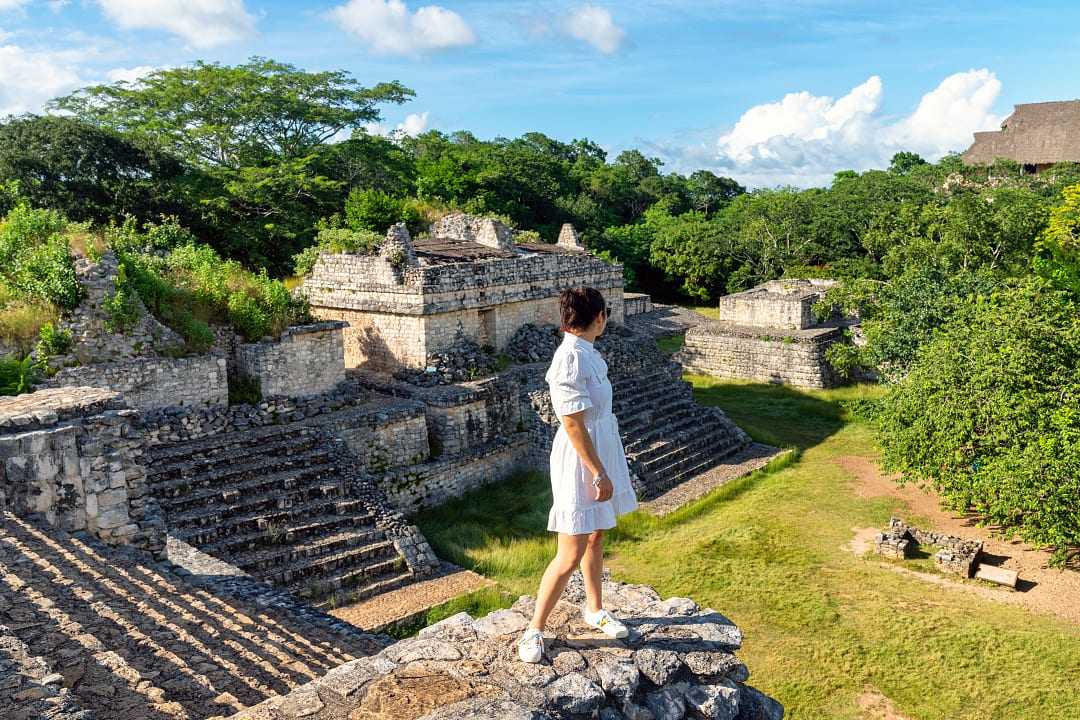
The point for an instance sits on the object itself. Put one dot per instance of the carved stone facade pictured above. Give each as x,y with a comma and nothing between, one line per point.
414,300
767,334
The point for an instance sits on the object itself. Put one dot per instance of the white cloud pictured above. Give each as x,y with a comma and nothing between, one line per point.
6,5
803,139
129,75
202,23
414,124
29,78
595,25
389,28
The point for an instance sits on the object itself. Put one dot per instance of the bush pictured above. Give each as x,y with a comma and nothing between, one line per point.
335,240
16,376
121,308
52,342
374,210
35,258
989,415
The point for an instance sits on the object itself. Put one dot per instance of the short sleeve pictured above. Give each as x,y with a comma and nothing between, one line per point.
566,379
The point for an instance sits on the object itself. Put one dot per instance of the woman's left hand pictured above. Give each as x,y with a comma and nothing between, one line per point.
604,488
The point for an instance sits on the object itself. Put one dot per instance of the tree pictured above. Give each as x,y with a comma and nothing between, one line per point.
1058,249
989,415
235,116
904,162
92,173
708,193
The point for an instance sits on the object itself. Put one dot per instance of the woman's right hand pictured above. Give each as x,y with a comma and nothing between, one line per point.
603,487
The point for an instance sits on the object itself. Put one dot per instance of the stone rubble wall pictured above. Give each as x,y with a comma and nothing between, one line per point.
29,688
471,228
76,457
92,341
678,662
304,360
154,382
757,354
955,554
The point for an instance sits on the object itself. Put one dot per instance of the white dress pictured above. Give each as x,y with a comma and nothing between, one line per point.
578,381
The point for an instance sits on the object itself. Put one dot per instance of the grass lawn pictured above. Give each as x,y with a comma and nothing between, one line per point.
822,625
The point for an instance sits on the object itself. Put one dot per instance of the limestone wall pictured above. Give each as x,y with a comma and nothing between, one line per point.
636,303
776,304
379,341
425,485
796,357
154,382
75,456
304,360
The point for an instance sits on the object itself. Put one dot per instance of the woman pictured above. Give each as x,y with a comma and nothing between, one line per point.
590,481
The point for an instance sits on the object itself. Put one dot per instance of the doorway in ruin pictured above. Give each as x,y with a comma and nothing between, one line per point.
486,335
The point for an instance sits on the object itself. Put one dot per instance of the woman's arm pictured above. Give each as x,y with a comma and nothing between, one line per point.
574,425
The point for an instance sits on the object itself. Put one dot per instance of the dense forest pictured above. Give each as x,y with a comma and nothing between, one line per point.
213,183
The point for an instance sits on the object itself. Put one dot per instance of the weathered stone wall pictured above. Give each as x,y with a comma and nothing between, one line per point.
775,304
678,662
75,456
379,341
637,303
796,357
148,383
304,360
433,483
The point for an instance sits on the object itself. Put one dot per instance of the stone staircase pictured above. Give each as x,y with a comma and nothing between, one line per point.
668,437
280,503
88,630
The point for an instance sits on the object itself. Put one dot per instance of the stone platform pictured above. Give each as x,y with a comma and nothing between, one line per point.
678,662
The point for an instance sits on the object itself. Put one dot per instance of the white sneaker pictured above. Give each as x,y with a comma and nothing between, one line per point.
531,646
603,621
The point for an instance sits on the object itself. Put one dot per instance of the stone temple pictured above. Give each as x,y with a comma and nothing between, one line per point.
769,334
415,298
171,547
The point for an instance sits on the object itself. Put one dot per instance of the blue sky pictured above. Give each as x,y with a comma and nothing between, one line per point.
768,92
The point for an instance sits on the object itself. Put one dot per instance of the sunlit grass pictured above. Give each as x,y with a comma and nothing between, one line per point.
821,624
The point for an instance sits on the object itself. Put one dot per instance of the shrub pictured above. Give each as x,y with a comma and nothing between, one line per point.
16,376
52,341
989,415
373,210
121,308
335,240
35,258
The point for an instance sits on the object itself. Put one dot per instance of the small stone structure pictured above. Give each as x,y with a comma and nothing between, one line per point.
636,303
955,554
766,334
75,457
414,298
154,382
303,360
678,662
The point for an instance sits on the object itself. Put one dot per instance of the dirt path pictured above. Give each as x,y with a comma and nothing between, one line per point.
405,603
875,706
1044,589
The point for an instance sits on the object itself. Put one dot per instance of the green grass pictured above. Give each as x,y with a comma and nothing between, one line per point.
821,624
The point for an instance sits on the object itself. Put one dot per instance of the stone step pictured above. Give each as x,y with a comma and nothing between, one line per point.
273,557
227,442
674,461
370,557
315,527
353,583
163,471
387,584
283,483
199,534
715,440
690,419
688,471
184,481
652,415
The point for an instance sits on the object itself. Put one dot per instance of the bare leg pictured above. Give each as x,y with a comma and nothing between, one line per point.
592,567
559,570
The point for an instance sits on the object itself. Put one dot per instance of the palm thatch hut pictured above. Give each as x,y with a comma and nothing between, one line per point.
1036,135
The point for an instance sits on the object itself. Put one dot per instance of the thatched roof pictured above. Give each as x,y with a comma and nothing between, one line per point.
1035,134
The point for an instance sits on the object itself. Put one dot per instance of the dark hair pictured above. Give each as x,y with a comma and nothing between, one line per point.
579,307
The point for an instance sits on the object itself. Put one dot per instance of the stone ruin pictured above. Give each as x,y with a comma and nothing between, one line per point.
767,334
954,555
171,507
467,278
